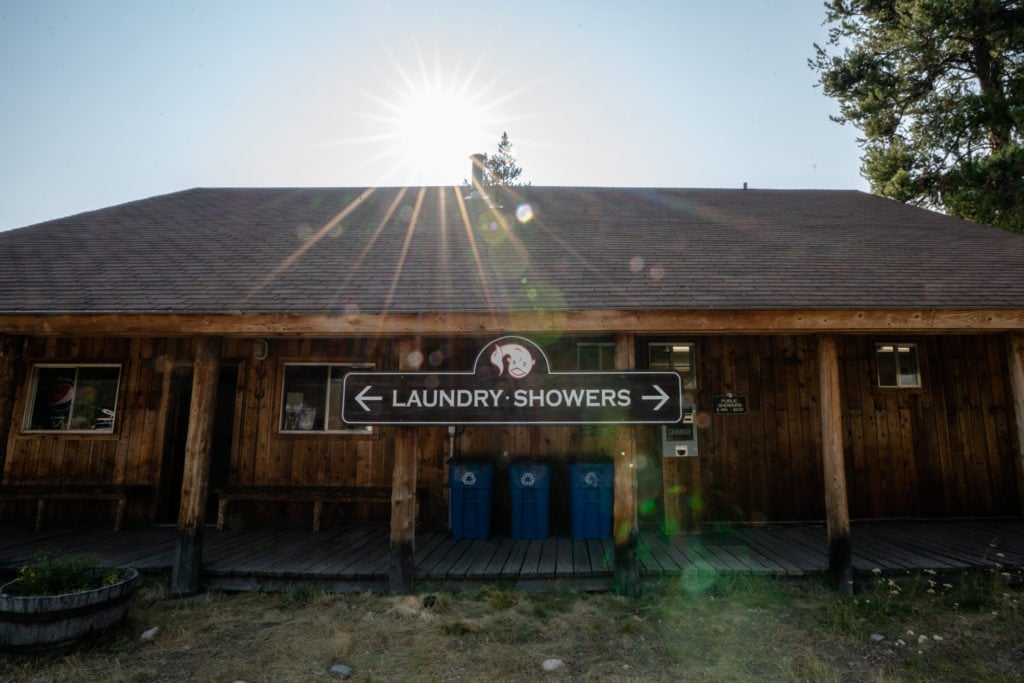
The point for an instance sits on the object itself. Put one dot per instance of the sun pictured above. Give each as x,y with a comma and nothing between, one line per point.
431,117
438,126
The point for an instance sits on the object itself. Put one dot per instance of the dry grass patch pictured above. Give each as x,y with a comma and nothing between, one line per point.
715,629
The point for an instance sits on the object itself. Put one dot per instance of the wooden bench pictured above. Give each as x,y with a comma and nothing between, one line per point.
318,495
42,493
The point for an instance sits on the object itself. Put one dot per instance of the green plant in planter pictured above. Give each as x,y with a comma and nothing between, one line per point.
58,601
59,575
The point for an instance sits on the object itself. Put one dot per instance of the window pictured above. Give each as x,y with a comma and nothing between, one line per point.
72,398
595,356
312,399
897,365
675,356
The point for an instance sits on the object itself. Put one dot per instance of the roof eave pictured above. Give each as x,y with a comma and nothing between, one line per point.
659,322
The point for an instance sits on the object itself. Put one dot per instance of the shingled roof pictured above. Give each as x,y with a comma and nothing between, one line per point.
424,250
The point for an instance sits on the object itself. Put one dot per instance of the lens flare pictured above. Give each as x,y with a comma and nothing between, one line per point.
694,581
524,212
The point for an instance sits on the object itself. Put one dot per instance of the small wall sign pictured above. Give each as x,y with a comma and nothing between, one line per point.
729,404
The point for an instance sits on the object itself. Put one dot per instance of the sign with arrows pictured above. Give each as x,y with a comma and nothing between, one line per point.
511,383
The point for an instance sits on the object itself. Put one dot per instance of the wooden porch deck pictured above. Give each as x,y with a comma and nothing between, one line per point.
357,558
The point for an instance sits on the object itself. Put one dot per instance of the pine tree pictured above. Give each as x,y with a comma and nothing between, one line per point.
937,89
501,167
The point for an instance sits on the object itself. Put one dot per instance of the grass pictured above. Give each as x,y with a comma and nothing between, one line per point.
914,627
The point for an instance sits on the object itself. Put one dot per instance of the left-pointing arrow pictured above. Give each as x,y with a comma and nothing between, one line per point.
362,398
661,397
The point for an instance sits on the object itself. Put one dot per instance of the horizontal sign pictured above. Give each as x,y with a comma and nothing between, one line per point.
513,386
729,404
679,432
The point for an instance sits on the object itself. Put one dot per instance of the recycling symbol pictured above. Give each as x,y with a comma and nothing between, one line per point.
468,479
528,479
591,479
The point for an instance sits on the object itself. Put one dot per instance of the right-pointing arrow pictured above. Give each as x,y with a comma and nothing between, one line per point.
661,397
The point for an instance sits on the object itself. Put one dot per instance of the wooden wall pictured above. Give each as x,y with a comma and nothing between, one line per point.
764,464
945,450
131,455
261,455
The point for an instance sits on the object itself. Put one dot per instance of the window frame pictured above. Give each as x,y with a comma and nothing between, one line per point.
33,392
894,348
688,376
360,430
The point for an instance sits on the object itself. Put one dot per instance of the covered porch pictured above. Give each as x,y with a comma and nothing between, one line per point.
357,558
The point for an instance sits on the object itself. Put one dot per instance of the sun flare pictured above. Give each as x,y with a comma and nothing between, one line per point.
435,125
433,116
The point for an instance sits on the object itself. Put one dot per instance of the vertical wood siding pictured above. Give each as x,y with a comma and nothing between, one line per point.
262,455
131,455
945,450
764,464
942,450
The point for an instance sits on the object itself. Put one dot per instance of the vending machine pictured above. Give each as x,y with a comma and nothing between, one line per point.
680,440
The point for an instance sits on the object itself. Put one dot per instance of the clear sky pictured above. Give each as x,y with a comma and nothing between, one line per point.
108,101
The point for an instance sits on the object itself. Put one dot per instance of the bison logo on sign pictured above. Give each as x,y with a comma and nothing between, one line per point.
515,359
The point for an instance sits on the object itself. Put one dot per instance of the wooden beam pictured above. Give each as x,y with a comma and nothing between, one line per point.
624,508
1016,356
403,513
10,360
402,569
195,482
164,368
498,322
837,512
682,495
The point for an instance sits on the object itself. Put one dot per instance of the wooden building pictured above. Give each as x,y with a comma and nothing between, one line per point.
840,356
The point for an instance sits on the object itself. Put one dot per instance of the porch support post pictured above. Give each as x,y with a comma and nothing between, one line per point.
1016,356
837,511
682,493
403,513
195,481
10,358
627,565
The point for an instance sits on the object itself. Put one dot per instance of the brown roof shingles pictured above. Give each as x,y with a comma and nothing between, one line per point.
286,250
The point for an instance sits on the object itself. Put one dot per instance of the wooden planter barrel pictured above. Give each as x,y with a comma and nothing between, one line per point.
56,622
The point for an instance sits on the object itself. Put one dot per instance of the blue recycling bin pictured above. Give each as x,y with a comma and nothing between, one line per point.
530,489
592,489
470,502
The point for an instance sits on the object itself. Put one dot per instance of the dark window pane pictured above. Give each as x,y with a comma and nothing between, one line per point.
72,398
593,356
910,375
885,359
55,393
661,357
588,357
95,397
305,392
678,357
